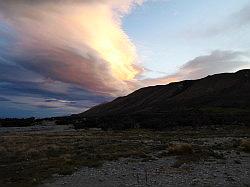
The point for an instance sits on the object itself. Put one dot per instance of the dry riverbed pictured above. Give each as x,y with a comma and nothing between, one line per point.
61,156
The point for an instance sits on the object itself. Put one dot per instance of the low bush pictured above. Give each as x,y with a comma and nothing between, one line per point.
180,149
245,145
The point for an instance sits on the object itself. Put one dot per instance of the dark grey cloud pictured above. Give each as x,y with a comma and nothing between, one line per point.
24,89
3,99
16,73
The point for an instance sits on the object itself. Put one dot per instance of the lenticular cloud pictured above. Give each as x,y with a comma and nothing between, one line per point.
79,42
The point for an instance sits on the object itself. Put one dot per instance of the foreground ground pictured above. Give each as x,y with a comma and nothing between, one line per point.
61,156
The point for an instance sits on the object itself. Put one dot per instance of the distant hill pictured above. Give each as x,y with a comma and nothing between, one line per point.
220,98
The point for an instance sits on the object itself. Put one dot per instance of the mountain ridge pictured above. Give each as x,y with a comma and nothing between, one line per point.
214,90
220,99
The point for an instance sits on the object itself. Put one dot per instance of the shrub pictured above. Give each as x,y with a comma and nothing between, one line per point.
180,149
245,145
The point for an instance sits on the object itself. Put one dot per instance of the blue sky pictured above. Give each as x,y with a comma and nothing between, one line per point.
59,58
168,34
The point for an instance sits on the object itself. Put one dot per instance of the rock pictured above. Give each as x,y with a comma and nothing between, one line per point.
101,180
237,162
195,181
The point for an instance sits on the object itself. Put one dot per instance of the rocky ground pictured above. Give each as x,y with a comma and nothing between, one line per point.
61,156
233,171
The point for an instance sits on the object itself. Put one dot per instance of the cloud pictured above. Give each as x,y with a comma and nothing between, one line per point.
64,55
3,99
78,42
33,97
216,62
27,90
233,22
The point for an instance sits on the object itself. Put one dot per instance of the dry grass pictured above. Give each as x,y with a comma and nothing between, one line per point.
27,159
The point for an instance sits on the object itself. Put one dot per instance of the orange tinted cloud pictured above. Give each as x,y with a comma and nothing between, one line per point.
79,42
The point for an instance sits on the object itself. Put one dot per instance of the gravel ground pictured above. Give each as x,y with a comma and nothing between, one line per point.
233,170
45,154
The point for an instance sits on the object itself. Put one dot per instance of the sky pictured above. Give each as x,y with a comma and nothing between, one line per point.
59,57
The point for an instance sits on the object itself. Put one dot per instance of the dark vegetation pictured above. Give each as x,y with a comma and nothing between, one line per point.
14,122
26,122
193,118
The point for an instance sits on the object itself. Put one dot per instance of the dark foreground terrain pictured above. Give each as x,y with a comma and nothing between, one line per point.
51,155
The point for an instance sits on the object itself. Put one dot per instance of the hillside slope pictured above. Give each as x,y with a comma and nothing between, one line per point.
227,90
214,100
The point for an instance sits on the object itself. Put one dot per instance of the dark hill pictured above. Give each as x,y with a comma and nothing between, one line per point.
220,98
221,90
